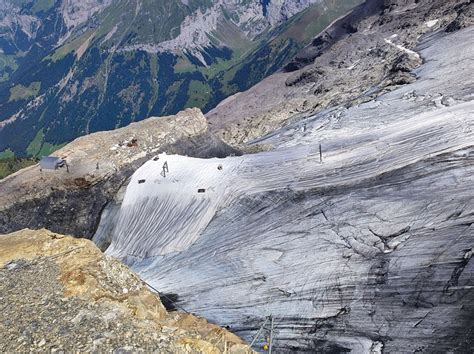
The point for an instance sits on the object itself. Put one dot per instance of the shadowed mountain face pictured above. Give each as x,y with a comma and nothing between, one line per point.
70,67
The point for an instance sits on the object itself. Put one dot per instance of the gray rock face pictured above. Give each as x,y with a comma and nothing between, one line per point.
368,250
74,13
202,28
12,18
193,32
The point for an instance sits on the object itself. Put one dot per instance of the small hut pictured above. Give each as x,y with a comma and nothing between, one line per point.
51,163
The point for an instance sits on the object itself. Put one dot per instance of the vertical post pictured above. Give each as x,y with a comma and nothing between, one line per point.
320,153
271,336
67,167
259,331
165,169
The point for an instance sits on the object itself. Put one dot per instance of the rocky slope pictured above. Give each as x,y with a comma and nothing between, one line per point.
69,68
361,56
368,250
62,294
70,201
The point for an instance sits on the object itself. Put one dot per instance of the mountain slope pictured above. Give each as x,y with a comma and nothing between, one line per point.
71,67
348,64
365,246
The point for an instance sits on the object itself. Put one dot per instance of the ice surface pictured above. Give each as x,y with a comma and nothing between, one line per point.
368,246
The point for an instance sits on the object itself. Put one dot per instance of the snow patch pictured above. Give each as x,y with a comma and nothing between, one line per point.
431,23
402,48
353,65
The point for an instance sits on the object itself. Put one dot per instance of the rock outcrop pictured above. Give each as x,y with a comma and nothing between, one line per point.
70,200
61,294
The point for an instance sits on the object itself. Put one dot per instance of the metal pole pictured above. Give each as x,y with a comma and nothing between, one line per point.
271,337
320,153
258,333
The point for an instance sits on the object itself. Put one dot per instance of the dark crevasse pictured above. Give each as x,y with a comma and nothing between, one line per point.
265,4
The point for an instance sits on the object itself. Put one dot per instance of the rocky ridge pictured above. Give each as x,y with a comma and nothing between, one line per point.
70,200
359,57
251,17
62,294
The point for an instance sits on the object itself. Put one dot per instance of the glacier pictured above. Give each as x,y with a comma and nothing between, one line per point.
369,248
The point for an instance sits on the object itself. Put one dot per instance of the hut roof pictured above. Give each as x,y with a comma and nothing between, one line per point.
50,162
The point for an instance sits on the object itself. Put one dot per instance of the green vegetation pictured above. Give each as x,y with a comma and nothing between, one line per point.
38,147
69,47
6,154
48,149
42,5
153,81
7,63
183,66
303,27
109,19
20,92
35,146
199,94
10,164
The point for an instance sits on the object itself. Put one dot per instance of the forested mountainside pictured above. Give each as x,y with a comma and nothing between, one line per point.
70,67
